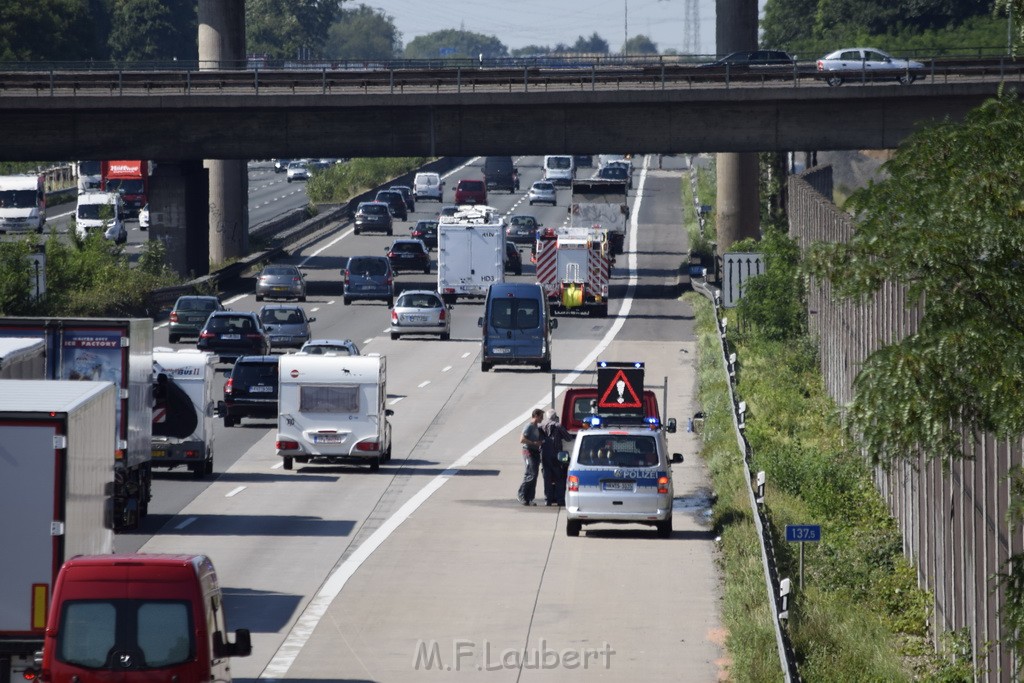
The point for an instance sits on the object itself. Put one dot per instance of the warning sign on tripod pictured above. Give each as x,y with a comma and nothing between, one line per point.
620,389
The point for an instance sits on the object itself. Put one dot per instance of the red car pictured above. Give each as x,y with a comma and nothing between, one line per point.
471,192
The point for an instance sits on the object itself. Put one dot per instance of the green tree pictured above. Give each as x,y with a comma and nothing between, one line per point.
640,45
595,44
33,30
363,33
289,28
530,50
454,43
154,30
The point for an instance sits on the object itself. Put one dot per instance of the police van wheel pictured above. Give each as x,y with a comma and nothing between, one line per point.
665,528
287,463
572,527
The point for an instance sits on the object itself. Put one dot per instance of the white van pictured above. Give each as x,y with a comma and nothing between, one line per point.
560,169
22,203
428,186
101,211
331,409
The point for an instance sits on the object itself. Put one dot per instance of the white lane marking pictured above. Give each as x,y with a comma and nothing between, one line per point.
307,622
234,299
446,368
466,354
314,309
163,324
456,170
278,465
385,330
395,400
367,341
330,302
343,235
234,492
422,384
186,522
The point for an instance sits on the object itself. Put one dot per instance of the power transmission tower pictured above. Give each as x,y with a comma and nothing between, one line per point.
691,27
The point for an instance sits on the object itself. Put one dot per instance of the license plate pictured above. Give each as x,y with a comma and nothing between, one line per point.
408,255
231,337
327,438
501,349
280,289
159,454
618,486
261,390
416,318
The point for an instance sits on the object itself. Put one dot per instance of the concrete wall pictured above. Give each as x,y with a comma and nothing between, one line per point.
954,523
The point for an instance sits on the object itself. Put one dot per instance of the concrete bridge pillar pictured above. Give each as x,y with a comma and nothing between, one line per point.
738,214
179,215
222,46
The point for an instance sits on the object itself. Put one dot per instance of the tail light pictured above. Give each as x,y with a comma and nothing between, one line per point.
191,453
391,254
573,483
174,316
394,316
286,445
206,335
346,275
821,67
368,446
441,316
662,484
228,387
254,335
296,279
389,280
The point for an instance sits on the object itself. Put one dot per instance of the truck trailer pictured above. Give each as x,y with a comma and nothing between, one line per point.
470,252
184,409
55,480
603,204
118,350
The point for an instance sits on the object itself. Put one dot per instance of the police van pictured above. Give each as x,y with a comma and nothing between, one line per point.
620,469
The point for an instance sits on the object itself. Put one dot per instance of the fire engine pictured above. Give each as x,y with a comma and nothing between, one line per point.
574,266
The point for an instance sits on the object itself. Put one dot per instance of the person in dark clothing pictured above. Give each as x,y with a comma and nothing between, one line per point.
554,471
532,439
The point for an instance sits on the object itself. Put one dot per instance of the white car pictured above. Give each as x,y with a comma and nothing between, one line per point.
542,192
297,171
855,63
101,211
144,218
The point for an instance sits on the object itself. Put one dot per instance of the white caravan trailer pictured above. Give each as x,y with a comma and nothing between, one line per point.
331,409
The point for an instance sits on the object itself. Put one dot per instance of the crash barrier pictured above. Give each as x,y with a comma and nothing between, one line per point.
284,233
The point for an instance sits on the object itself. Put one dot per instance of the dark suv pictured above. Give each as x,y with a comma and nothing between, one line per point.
368,277
373,216
396,200
231,334
251,389
409,255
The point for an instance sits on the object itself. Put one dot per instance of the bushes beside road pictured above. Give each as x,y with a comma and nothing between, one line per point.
339,183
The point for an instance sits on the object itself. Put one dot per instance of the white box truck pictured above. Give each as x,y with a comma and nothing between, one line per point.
22,203
184,409
56,477
22,358
331,409
470,252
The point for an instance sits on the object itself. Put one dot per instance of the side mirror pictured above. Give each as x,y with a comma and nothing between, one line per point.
450,306
554,323
479,322
310,320
220,410
242,647
388,412
670,425
563,456
677,458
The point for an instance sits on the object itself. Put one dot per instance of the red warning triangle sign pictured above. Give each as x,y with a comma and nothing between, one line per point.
620,394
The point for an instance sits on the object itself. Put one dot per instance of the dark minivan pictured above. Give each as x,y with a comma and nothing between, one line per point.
501,174
368,277
517,326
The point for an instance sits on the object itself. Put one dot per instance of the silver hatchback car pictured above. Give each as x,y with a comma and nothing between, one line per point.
543,192
281,282
421,312
287,325
620,476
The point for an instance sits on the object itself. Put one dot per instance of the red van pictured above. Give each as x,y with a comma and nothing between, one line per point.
138,618
576,407
471,192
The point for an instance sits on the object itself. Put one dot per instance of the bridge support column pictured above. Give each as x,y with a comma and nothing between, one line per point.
222,46
738,214
179,216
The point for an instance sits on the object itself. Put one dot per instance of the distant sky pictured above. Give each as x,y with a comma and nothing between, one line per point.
518,23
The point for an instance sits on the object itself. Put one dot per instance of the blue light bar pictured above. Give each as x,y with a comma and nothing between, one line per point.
653,422
595,420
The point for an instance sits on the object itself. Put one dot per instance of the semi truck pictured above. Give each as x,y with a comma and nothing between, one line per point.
55,480
601,203
90,176
131,180
118,350
470,252
22,203
139,618
184,409
574,267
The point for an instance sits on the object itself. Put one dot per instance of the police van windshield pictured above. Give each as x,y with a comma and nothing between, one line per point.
515,314
618,450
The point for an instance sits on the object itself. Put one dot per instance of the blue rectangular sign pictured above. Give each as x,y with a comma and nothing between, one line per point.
803,532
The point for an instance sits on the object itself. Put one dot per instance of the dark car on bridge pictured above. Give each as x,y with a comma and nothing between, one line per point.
755,58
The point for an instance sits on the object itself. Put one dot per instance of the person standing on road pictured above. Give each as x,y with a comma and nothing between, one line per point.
554,471
532,440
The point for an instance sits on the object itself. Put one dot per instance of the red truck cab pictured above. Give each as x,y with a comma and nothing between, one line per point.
138,618
577,407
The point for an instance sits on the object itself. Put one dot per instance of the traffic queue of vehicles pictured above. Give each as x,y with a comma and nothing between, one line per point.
109,408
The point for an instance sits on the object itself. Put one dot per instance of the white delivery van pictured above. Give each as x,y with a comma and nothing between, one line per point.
428,186
22,203
470,252
184,409
331,409
560,169
101,211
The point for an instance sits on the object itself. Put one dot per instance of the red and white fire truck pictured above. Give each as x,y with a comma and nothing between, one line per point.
574,266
